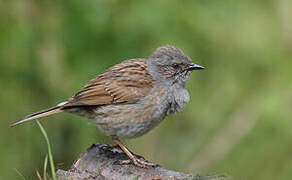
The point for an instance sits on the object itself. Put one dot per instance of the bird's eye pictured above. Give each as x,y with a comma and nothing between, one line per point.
175,66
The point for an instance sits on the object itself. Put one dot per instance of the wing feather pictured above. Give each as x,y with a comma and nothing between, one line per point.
126,82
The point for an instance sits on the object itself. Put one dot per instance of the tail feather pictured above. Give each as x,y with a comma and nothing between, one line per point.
39,114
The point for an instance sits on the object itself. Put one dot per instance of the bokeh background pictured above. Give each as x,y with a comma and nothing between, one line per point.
237,122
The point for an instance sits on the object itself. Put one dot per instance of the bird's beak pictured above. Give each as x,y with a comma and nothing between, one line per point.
195,67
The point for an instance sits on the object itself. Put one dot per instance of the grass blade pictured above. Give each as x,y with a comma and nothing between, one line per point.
45,167
38,175
49,151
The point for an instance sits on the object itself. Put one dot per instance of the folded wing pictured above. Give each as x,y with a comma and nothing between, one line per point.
126,82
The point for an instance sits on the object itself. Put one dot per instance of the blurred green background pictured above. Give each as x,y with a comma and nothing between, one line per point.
237,122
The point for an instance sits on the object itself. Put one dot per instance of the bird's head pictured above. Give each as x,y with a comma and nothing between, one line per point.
171,65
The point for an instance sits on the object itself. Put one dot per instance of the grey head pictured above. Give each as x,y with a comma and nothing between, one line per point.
170,65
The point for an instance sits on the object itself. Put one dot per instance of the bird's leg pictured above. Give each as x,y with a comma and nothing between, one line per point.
138,162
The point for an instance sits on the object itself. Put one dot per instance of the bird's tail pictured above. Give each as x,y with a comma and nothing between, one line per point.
39,114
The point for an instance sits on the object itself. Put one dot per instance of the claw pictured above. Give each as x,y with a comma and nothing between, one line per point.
143,164
139,163
137,160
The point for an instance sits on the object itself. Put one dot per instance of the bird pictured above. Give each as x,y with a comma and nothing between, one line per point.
132,97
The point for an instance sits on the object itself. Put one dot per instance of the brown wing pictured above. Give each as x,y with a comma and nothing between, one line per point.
124,82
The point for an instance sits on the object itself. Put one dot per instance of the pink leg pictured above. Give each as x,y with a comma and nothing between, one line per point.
135,160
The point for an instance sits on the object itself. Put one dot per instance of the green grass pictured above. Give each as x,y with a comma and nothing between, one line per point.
45,167
51,161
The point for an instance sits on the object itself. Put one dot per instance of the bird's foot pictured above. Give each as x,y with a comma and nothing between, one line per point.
139,162
136,159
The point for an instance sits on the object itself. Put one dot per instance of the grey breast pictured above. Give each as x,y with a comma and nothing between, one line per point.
179,96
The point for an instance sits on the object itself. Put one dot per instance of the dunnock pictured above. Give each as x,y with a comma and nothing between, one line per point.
132,97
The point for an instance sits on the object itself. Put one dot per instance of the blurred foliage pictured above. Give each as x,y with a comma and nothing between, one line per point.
237,122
